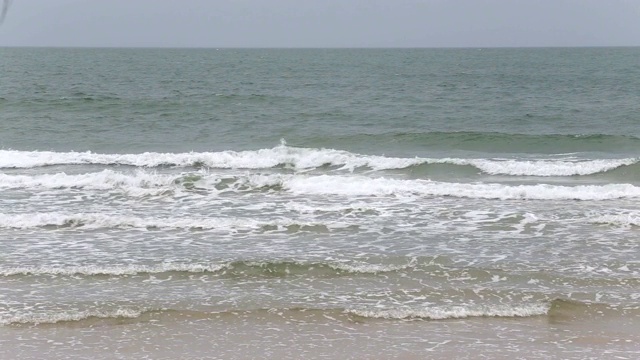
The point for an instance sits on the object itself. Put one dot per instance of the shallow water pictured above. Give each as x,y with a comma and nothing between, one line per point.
319,203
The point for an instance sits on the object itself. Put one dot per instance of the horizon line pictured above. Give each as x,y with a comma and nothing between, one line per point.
314,47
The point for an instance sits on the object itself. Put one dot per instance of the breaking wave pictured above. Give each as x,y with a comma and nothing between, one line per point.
343,314
70,316
558,309
363,186
97,221
454,312
308,158
347,185
231,268
103,180
625,220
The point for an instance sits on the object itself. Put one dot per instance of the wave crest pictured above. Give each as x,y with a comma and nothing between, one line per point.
305,159
58,221
142,184
60,317
453,312
362,186
624,220
231,268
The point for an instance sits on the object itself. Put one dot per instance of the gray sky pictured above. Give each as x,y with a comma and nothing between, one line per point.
322,23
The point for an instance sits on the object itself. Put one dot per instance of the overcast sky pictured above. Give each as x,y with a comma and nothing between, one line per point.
321,23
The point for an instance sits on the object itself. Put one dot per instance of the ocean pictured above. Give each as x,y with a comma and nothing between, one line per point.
320,203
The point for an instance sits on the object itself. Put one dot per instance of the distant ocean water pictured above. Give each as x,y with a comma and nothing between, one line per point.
414,203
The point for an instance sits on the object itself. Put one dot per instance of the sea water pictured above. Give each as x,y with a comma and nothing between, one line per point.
336,203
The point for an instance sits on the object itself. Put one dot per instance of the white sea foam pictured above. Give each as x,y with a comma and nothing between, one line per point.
630,219
306,158
103,180
114,270
546,167
351,207
454,312
132,269
298,158
57,317
97,221
363,186
351,185
364,268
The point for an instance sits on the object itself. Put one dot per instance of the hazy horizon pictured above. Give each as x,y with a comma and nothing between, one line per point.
321,48
327,24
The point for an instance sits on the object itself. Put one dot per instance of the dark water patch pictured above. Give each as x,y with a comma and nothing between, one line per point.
440,171
564,311
296,228
484,142
234,184
189,181
623,173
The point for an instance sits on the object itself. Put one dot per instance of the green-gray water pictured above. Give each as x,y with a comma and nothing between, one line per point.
319,203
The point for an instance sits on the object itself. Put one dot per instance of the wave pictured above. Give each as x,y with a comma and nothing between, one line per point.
308,158
453,312
143,183
97,220
624,220
71,316
555,310
549,167
488,142
231,268
114,270
568,310
427,313
100,221
366,186
103,180
342,314
437,268
360,208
